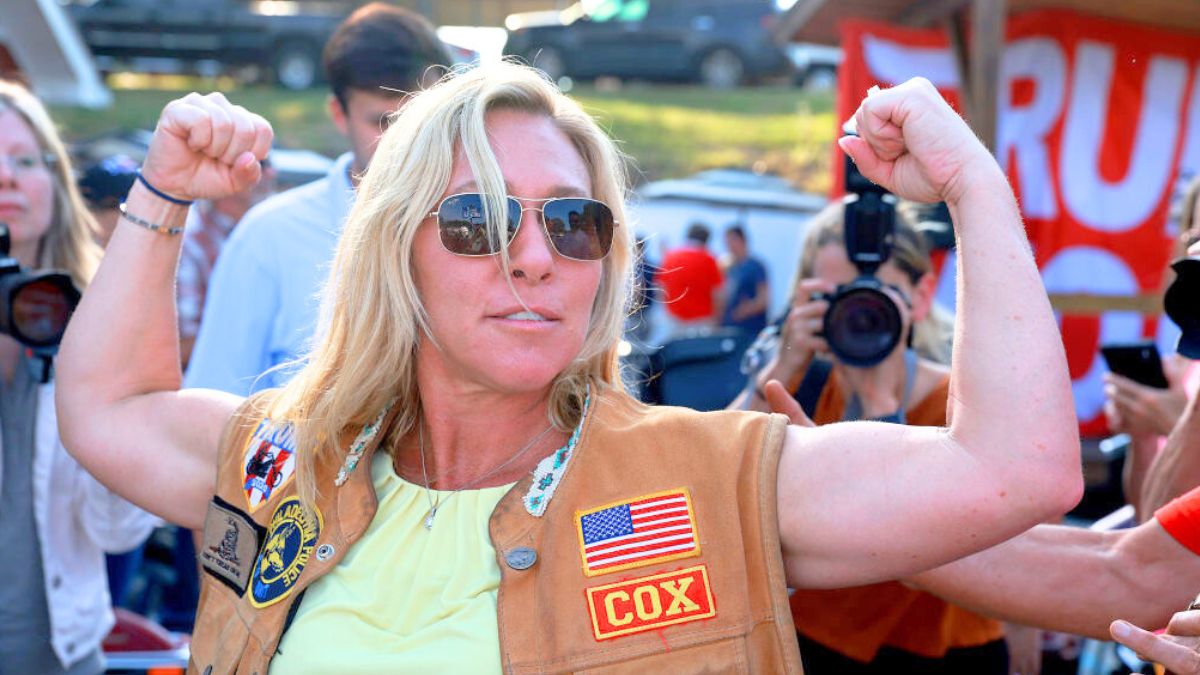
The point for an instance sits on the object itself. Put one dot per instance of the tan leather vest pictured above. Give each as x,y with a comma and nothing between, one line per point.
658,551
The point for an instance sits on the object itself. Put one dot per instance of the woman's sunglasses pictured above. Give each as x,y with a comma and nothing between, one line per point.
578,228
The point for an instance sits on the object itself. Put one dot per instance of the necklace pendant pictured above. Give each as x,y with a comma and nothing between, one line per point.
429,518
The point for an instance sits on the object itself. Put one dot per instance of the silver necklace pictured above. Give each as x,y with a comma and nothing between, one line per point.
435,505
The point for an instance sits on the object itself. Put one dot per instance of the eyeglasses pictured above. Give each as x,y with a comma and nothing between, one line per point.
578,228
27,163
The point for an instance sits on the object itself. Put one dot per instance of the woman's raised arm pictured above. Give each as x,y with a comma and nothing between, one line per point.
867,501
121,412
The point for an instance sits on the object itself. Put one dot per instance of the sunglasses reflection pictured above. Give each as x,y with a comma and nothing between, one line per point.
578,228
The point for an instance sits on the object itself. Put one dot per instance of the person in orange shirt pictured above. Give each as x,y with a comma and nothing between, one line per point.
884,627
691,280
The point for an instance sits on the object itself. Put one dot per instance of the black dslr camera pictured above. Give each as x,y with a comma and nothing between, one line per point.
863,324
34,305
1182,304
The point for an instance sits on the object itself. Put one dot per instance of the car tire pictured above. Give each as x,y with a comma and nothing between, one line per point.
296,65
722,68
819,78
549,60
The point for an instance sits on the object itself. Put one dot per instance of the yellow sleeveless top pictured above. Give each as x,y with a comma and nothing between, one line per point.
405,599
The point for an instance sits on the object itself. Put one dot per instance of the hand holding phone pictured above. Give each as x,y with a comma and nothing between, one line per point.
1138,361
1138,397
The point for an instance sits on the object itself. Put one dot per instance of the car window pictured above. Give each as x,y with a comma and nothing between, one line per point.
617,10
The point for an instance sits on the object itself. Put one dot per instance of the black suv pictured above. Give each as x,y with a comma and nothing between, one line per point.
209,36
721,43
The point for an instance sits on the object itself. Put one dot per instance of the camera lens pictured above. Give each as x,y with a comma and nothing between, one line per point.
862,325
39,308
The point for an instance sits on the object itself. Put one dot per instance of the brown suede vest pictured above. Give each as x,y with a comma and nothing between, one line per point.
709,598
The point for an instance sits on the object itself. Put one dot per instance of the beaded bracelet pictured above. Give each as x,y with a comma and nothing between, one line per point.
153,227
160,193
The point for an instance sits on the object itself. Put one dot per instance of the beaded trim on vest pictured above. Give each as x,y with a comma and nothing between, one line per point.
549,472
546,475
360,443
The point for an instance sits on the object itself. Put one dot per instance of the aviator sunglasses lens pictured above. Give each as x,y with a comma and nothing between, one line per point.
462,225
579,228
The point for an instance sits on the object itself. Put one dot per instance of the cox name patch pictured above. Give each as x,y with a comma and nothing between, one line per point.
650,603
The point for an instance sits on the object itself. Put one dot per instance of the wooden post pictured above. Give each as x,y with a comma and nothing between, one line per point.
956,30
923,14
987,41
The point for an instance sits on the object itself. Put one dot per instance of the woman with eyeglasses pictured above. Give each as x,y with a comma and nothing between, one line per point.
56,521
455,481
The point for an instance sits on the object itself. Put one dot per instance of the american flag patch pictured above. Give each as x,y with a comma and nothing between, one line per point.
636,532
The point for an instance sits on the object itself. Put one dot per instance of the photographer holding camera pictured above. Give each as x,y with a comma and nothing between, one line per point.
56,521
863,340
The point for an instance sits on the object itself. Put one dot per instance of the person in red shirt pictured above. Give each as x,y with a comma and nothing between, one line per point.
691,280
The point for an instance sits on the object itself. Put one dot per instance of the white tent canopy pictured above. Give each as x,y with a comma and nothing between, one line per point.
50,53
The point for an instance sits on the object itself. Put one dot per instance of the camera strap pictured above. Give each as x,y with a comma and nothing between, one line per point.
809,391
854,408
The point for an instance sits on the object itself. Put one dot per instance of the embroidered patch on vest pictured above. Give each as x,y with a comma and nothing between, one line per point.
270,461
650,603
291,536
231,541
637,532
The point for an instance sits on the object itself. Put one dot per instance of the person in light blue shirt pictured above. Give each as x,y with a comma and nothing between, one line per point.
263,297
262,303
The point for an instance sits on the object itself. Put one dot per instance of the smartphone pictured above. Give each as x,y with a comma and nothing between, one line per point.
1139,361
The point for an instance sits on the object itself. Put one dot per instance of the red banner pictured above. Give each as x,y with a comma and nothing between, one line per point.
1098,125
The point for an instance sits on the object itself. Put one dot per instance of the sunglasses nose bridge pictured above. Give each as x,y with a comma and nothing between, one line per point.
537,210
539,220
538,225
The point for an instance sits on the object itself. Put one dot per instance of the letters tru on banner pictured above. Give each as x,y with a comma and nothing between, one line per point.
1098,126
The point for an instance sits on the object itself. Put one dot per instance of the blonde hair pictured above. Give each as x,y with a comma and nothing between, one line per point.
69,243
365,357
1187,214
933,336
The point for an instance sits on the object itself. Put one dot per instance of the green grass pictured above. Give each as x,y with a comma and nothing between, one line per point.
669,131
676,131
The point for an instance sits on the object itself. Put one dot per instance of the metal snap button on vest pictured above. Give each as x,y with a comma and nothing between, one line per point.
521,558
324,552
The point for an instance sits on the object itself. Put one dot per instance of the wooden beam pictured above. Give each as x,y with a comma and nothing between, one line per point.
1087,305
930,12
794,19
987,43
1174,15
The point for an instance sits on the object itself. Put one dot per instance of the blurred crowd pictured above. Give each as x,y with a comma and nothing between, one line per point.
859,340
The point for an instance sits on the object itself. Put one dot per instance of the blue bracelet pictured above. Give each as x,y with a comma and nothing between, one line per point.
160,193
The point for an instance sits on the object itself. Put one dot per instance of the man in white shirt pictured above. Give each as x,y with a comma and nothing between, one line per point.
261,309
